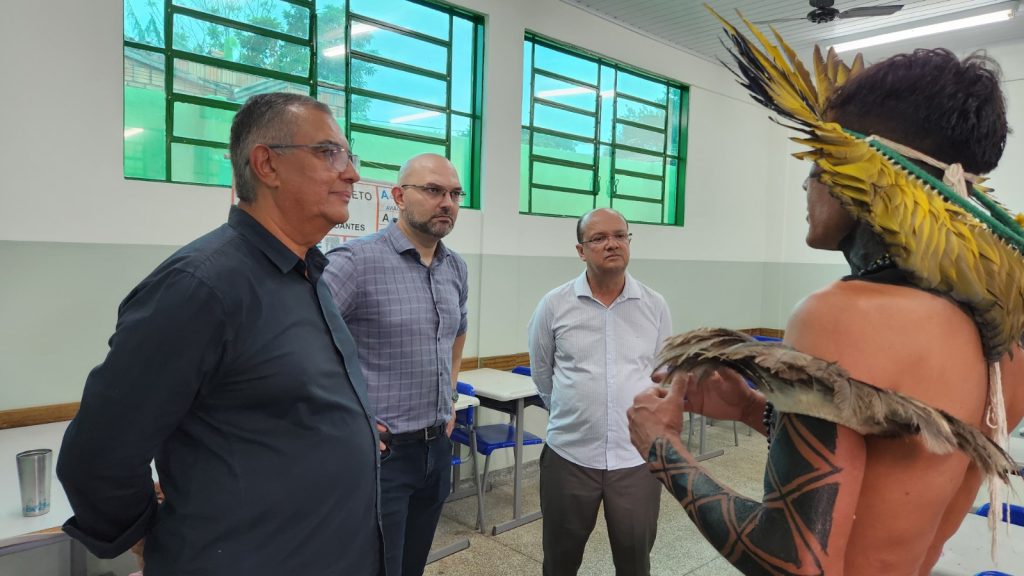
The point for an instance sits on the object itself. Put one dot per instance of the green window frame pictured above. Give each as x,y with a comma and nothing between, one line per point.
599,133
402,77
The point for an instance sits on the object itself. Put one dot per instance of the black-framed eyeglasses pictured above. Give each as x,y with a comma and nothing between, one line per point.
438,192
601,239
337,156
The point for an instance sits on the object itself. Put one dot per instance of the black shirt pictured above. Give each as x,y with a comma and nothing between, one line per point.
234,370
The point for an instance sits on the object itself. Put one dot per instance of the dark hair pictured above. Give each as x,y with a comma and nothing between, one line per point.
951,110
264,119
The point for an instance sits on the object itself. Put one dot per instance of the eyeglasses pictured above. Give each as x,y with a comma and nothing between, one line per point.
338,157
601,239
437,192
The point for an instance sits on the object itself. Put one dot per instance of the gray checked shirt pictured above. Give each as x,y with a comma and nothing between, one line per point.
404,317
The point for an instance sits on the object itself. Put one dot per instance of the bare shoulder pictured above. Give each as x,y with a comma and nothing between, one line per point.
894,337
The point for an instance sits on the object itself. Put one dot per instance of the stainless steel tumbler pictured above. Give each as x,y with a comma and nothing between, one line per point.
34,476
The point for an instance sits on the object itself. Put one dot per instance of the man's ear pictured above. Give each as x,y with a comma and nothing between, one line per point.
579,250
264,165
398,195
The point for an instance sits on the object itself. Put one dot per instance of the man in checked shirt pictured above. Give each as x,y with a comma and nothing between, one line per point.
403,294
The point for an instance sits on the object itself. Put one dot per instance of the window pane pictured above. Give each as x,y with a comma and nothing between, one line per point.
198,79
565,93
639,162
524,170
671,183
373,148
462,65
641,87
527,79
563,148
144,22
422,19
145,113
200,165
638,211
604,176
401,48
336,101
462,154
563,176
641,113
330,35
640,187
674,109
202,122
384,114
370,172
270,14
398,83
607,102
574,67
561,203
563,121
639,138
226,43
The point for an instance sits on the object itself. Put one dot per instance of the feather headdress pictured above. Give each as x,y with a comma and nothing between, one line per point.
966,248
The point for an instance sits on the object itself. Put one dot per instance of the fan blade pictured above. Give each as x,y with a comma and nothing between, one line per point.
871,11
779,21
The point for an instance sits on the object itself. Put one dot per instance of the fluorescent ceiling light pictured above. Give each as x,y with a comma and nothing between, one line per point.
335,51
411,117
990,18
129,132
564,92
360,28
357,29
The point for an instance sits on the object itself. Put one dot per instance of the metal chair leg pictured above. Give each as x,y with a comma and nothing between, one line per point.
487,465
477,484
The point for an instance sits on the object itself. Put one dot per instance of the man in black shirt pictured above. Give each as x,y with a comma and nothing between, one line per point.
231,367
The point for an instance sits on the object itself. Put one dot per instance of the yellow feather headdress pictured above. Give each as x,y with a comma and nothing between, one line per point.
968,249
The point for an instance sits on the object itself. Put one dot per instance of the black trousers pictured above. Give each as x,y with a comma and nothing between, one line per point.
415,480
570,496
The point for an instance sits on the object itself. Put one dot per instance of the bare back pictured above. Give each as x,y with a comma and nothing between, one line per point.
906,340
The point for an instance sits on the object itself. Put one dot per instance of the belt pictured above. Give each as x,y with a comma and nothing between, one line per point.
425,435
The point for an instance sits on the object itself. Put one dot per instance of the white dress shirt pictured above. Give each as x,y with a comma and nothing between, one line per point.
589,361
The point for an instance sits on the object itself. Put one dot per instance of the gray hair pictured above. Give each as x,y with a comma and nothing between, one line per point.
264,119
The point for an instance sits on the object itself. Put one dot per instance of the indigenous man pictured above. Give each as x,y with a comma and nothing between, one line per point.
927,279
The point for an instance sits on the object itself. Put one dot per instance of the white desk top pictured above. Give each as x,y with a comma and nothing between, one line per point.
12,441
968,551
499,384
466,401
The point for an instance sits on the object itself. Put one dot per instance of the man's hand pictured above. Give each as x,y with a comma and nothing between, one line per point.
721,394
381,429
657,412
451,424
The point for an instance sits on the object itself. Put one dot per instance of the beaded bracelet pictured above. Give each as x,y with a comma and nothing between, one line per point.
769,412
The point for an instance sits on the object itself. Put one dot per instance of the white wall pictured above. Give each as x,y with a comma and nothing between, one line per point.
62,182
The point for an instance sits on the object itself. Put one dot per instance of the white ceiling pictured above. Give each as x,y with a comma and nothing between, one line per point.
686,24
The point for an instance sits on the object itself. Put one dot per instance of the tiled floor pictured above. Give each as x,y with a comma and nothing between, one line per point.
680,549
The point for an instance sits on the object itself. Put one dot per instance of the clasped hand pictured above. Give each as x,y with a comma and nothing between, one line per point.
721,394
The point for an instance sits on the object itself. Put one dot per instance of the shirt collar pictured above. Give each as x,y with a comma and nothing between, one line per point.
279,254
401,243
630,291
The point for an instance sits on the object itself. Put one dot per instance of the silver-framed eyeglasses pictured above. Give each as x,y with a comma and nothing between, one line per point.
601,239
337,156
438,192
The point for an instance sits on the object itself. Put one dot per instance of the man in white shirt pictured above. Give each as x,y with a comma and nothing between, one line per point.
593,341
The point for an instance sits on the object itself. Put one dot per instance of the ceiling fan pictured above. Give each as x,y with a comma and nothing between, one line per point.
823,11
